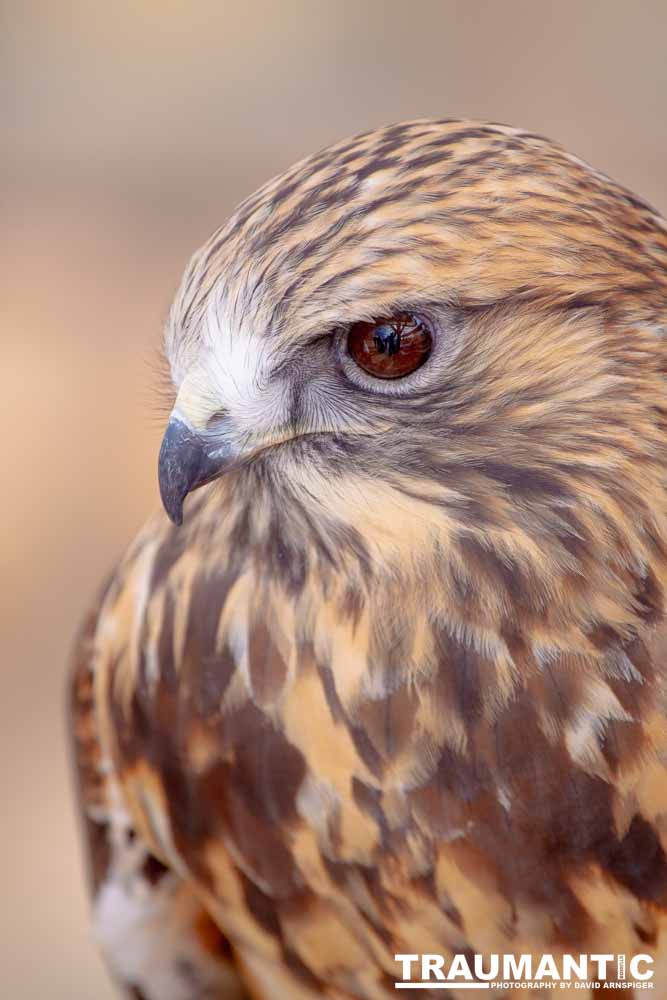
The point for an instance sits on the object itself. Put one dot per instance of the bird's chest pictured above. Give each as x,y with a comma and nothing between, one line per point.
250,724
284,750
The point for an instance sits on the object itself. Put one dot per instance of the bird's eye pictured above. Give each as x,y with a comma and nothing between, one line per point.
389,347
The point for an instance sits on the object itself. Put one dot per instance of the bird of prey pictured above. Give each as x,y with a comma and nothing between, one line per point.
392,680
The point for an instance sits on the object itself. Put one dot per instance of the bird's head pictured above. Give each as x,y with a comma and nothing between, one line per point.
439,344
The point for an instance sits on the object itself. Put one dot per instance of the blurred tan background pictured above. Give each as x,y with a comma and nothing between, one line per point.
130,131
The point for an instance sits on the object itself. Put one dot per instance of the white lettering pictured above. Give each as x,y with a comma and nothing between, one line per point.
547,969
459,967
494,965
602,962
517,970
572,966
635,972
432,966
406,961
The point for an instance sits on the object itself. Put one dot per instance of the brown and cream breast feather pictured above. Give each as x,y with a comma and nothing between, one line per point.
397,682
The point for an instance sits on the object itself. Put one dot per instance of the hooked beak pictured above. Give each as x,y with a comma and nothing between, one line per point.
188,460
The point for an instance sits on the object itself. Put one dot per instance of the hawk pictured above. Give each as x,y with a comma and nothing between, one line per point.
392,680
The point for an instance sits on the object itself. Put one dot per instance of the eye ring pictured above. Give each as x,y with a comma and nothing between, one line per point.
389,347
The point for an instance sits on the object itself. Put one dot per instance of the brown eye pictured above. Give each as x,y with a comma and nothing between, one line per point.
390,347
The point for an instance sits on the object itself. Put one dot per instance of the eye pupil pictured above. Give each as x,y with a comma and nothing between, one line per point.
387,340
390,347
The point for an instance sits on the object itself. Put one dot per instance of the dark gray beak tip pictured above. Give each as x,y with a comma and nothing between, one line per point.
176,468
185,464
174,510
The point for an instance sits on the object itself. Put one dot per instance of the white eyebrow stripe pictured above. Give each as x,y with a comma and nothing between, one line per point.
236,367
